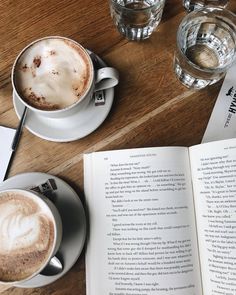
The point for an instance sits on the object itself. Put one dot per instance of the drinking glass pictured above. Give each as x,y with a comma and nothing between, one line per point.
206,46
136,19
191,5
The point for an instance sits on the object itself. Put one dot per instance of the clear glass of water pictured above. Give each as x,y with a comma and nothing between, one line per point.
136,19
191,5
206,46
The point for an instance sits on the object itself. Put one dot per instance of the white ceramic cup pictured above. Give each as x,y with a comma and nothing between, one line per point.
45,204
99,79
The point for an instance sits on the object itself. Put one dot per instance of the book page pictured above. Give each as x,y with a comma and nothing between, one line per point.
214,181
142,238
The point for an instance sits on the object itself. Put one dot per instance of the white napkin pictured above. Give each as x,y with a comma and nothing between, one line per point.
222,123
6,138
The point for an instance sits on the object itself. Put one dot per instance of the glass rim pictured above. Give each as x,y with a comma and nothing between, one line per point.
136,9
206,10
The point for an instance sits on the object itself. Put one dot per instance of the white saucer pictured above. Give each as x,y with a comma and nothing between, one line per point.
73,219
70,128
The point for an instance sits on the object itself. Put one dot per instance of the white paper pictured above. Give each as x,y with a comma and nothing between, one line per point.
214,182
222,123
142,230
6,138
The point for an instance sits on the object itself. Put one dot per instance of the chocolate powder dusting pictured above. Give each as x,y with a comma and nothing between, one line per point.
24,68
52,52
54,72
39,101
33,72
78,49
37,61
32,96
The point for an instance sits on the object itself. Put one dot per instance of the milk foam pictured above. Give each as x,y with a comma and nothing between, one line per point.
18,230
26,235
53,74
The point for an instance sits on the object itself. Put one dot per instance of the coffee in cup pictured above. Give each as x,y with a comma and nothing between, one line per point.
30,231
54,76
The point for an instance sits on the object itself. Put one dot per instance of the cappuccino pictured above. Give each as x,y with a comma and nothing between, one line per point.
53,74
26,235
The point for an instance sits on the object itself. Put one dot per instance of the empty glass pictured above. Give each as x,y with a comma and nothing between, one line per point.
206,46
136,19
191,5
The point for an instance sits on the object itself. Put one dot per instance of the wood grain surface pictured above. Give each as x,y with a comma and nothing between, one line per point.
151,108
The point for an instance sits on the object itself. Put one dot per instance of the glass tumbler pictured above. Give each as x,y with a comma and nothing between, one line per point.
136,19
206,46
191,5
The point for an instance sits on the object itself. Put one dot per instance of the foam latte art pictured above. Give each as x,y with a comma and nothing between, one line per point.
20,231
26,236
52,74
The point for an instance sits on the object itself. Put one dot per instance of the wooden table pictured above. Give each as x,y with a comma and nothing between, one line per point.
151,108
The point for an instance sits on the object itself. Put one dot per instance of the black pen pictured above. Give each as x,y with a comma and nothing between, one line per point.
16,139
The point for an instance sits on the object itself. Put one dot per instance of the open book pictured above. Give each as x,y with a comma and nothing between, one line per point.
162,220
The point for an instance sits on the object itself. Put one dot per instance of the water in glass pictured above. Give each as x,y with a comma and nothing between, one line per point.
136,19
206,45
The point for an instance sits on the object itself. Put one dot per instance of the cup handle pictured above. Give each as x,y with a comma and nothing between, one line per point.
106,78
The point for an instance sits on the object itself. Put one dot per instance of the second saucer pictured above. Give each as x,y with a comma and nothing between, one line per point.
73,219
